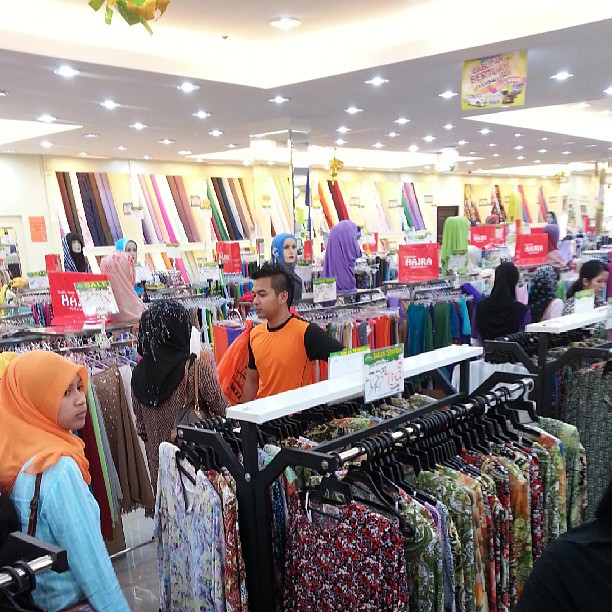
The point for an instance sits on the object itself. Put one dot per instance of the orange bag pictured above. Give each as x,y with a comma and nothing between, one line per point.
233,366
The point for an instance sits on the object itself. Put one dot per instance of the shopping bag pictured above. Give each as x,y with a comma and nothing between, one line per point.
232,368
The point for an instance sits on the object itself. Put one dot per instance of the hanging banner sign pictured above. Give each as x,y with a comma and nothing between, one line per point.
53,263
346,362
418,262
531,250
38,280
228,254
383,372
493,82
483,236
64,297
97,300
307,255
324,290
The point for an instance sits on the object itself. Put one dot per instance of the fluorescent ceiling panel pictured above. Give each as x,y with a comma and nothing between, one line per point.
12,131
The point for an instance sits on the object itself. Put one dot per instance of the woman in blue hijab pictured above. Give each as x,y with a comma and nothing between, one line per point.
284,252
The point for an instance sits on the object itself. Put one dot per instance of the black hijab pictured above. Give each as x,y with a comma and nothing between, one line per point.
79,258
501,314
164,343
543,290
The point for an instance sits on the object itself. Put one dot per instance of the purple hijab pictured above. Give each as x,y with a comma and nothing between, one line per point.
341,253
553,236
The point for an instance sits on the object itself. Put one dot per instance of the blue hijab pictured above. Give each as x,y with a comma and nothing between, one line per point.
122,243
278,247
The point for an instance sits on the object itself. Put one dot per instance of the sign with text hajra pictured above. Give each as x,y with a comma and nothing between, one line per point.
531,250
228,254
383,372
418,262
483,236
64,297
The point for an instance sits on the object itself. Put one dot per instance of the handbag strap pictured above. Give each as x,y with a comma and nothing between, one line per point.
196,379
34,507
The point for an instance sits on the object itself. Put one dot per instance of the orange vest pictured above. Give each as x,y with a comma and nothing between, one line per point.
280,357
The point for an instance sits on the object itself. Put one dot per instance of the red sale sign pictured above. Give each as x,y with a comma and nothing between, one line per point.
483,236
228,254
64,298
418,262
531,250
307,256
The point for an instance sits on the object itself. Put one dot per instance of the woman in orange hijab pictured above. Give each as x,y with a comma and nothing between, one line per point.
42,400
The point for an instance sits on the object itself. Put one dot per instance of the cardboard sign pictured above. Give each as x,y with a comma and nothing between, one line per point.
38,280
97,299
38,229
584,301
324,290
228,254
346,362
64,298
531,250
483,236
418,262
383,372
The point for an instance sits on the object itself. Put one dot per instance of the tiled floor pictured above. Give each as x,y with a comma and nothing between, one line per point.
137,570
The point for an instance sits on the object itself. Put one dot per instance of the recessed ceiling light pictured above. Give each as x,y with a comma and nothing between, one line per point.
492,144
121,148
184,152
462,142
517,135
608,91
246,162
46,144
413,148
82,154
542,150
470,163
544,138
278,100
562,76
582,105
589,146
232,145
340,142
605,112
537,161
521,157
448,126
343,129
66,71
353,110
166,141
361,168
285,23
566,152
378,145
377,81
188,87
199,160
3,93
569,142
138,126
479,170
485,131
110,104
146,157
91,135
393,134
427,167
429,138
402,121
472,153
47,118
495,154
496,165
447,94
270,163
216,133
201,114
519,148
7,151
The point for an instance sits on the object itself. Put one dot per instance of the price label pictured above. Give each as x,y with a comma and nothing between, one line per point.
324,290
346,362
38,280
208,270
196,201
457,261
96,298
172,250
609,321
584,301
383,372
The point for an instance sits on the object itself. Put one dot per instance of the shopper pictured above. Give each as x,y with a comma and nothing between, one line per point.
551,218
284,252
281,351
119,267
165,373
127,246
74,259
542,301
554,257
42,400
575,572
501,313
593,275
341,253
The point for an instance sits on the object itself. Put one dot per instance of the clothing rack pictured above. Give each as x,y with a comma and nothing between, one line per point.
252,483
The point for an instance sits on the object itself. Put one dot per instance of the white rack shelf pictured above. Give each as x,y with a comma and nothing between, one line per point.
569,322
344,388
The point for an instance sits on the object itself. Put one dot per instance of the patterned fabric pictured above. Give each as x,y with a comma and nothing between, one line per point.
352,562
448,568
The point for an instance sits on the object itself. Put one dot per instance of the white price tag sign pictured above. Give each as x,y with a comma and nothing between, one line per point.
457,261
609,321
96,298
383,372
208,270
172,250
324,290
584,301
38,280
346,362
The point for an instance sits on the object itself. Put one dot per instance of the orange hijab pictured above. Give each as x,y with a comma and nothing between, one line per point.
30,393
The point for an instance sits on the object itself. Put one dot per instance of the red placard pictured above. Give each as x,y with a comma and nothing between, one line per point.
589,224
66,305
53,263
419,262
537,230
228,254
307,255
483,236
531,250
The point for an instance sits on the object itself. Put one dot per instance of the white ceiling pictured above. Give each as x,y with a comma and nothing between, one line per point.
417,71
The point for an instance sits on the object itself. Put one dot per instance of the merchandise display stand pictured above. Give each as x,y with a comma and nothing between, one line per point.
252,483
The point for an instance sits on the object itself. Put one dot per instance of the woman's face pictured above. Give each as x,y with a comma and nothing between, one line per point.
76,246
131,249
73,406
290,251
549,218
598,283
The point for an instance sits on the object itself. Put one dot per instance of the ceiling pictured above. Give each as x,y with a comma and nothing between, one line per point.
316,69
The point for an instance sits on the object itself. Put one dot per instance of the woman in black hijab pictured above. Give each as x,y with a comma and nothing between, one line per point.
501,313
74,259
158,381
